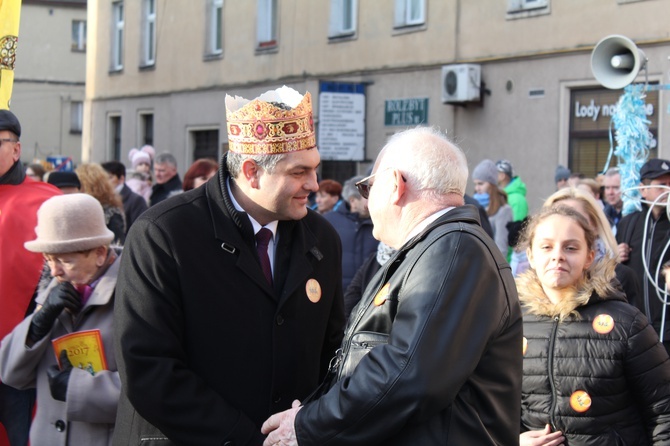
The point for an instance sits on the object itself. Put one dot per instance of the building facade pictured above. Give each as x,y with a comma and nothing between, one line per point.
49,78
158,72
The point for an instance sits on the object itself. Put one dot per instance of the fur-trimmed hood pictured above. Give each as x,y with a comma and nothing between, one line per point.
599,284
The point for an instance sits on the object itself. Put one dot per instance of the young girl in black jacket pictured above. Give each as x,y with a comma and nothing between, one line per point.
594,371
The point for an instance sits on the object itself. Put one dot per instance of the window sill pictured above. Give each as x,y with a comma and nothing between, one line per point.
212,57
114,71
75,132
526,13
149,67
408,29
267,49
342,37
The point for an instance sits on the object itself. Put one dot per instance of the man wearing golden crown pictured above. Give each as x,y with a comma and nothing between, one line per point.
229,301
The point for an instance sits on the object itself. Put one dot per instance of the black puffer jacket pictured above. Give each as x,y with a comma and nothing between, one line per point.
601,378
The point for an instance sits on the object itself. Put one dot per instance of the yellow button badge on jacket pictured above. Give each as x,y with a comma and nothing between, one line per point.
313,290
603,323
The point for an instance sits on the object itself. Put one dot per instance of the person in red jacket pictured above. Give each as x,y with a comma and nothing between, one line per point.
20,197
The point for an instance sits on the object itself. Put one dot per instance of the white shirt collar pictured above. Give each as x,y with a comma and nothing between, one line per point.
272,226
424,224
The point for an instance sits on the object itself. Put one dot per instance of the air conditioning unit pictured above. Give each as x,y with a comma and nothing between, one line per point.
461,83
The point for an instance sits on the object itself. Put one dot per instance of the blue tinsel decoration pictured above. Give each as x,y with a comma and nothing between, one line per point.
633,142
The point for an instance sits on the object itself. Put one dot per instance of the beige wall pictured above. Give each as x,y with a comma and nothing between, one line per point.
48,76
549,52
304,49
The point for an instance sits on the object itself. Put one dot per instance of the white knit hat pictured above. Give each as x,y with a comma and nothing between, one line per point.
138,157
70,223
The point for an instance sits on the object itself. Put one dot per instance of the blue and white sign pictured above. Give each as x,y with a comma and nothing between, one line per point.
341,121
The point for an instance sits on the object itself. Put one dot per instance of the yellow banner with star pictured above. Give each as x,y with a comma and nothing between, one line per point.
10,14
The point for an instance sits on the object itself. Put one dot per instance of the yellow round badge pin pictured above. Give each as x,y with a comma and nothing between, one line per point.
313,290
580,401
603,323
525,345
382,295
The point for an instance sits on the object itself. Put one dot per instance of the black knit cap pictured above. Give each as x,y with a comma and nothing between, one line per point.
9,121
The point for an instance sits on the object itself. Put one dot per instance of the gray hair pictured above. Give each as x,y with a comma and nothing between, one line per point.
432,163
612,171
349,189
166,158
266,162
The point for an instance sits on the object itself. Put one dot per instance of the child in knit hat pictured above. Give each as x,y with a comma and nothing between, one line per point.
138,177
140,160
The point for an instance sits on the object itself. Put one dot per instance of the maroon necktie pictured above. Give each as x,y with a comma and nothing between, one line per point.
262,239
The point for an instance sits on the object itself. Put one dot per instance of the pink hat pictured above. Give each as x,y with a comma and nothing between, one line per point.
149,150
138,157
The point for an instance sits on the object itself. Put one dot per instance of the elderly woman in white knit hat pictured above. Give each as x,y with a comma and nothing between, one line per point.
494,200
64,349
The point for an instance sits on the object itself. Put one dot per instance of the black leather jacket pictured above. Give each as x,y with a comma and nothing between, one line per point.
445,319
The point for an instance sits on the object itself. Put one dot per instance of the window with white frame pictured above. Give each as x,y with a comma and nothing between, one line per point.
79,35
266,24
117,36
76,116
526,5
148,32
343,14
409,13
214,27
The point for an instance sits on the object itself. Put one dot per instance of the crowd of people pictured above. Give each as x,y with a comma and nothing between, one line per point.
252,304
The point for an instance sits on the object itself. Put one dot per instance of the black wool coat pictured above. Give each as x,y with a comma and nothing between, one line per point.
208,350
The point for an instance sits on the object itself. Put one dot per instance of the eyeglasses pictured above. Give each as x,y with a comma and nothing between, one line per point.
7,140
365,184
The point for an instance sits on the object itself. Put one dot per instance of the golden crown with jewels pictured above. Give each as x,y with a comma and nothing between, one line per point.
259,127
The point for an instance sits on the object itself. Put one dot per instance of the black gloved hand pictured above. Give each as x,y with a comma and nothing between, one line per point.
59,378
63,296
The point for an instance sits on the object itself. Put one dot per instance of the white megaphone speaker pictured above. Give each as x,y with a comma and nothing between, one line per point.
616,60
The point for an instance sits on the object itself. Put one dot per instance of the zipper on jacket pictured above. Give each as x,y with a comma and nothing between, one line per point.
647,256
550,374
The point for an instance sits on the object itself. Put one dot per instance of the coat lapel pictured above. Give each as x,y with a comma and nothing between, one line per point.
293,257
236,236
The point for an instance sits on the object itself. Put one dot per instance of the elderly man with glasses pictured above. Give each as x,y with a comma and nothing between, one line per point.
432,353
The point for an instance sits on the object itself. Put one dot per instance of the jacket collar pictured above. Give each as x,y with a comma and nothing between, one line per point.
599,287
173,183
14,176
466,214
125,192
104,290
295,243
223,209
